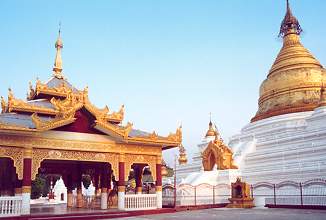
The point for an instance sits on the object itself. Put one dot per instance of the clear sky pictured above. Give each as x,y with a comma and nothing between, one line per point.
168,61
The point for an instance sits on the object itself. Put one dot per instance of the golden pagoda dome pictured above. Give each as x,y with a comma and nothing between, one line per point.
182,155
294,81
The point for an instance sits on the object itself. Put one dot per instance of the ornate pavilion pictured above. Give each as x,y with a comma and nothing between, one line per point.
58,130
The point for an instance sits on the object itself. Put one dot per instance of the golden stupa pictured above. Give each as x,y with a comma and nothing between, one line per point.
295,79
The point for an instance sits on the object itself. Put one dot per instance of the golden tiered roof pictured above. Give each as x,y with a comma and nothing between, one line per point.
295,78
54,104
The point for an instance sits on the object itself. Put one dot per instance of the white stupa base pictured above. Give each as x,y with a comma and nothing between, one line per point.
286,147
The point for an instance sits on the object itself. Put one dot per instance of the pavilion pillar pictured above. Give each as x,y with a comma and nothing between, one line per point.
138,177
96,184
79,189
158,184
27,181
104,184
18,187
121,184
70,196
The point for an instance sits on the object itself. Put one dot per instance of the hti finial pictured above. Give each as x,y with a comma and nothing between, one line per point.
290,24
57,69
287,5
59,28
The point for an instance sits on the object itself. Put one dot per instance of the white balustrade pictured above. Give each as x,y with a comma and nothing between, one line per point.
10,206
140,202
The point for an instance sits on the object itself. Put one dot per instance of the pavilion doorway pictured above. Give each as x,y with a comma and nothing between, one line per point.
78,176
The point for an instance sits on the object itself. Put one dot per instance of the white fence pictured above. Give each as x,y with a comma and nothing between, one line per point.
189,195
10,206
140,202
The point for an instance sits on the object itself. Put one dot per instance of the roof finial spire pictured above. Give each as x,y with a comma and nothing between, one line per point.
58,60
290,24
287,5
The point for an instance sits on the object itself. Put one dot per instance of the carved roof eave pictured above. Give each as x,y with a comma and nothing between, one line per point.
82,96
122,133
42,88
220,145
17,105
55,123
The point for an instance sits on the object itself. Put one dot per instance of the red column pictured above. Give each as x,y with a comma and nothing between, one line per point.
158,175
121,186
27,175
121,181
80,203
138,169
27,181
159,184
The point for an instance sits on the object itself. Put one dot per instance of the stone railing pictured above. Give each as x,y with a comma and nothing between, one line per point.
10,206
140,202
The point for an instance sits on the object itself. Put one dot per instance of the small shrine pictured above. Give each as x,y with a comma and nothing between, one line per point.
241,197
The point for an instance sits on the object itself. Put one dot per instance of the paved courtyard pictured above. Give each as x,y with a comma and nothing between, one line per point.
239,214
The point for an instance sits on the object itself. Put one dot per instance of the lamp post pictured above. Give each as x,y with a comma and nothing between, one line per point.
175,181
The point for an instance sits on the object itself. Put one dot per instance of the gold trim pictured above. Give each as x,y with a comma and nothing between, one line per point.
18,190
121,188
16,154
28,152
41,154
158,188
150,160
26,189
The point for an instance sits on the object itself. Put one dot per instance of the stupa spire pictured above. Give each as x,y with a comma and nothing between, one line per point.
57,69
290,24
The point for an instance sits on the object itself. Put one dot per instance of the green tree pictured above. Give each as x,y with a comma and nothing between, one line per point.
39,187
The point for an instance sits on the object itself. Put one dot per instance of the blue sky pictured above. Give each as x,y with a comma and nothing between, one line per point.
168,61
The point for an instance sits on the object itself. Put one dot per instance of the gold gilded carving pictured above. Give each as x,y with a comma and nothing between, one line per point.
16,154
58,121
159,160
54,154
26,189
217,153
144,159
41,154
21,106
177,137
122,157
61,144
42,88
27,152
118,130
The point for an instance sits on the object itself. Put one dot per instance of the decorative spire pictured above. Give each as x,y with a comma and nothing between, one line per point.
211,131
182,155
290,24
58,60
